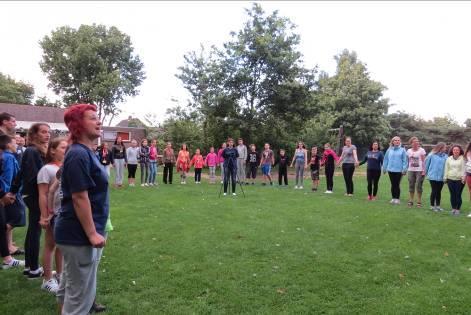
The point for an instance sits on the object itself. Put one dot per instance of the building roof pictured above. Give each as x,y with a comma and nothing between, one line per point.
34,113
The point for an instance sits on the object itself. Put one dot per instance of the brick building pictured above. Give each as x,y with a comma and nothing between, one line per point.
26,115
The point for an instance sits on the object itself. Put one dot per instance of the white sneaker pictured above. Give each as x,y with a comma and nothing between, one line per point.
146,184
469,215
397,202
142,185
328,191
393,201
234,194
50,285
13,263
295,187
301,187
225,194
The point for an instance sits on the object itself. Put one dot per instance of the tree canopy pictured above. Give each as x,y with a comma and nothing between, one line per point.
15,92
92,64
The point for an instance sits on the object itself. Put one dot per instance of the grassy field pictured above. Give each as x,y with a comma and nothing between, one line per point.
179,249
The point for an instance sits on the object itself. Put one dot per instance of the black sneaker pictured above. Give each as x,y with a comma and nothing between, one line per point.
253,183
97,308
271,183
264,184
38,274
26,272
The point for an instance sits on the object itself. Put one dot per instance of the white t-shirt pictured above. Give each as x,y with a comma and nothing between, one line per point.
415,160
47,175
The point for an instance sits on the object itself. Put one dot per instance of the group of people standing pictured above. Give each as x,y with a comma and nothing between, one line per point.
239,164
65,189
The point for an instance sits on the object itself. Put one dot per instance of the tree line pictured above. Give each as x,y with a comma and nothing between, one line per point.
254,86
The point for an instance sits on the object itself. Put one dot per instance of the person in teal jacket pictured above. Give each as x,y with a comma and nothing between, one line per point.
395,163
434,170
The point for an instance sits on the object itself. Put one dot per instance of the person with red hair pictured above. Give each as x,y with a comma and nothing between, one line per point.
80,225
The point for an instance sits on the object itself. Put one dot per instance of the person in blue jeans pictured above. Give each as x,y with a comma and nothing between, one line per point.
434,170
395,163
153,156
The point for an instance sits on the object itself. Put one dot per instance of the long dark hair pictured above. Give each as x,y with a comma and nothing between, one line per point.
33,137
371,145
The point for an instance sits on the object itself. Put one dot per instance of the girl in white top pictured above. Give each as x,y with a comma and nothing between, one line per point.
132,155
455,177
416,171
46,178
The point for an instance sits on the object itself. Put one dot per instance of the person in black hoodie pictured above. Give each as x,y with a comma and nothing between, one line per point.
253,160
230,156
283,161
32,161
106,157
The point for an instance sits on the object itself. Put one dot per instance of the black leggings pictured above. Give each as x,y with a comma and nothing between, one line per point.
232,172
33,234
197,174
456,189
168,173
329,177
283,175
395,178
132,170
4,251
372,176
436,195
348,169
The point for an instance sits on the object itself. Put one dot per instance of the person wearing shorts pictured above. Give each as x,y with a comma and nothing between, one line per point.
266,161
416,171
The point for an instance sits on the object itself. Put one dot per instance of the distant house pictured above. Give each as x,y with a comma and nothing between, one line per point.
26,115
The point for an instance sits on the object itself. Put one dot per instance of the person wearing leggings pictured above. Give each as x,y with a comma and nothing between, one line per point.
300,163
144,162
230,156
434,171
395,163
33,159
132,155
374,159
455,177
329,158
349,160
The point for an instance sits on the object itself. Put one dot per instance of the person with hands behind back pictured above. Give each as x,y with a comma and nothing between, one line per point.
455,177
80,225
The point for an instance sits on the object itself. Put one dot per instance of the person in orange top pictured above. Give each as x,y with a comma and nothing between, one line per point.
183,163
198,162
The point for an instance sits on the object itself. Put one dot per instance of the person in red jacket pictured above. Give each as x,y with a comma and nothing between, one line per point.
198,163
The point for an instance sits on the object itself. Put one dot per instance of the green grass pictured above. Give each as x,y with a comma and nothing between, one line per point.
182,250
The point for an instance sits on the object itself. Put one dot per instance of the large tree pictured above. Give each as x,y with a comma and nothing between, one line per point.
355,101
92,64
256,85
15,92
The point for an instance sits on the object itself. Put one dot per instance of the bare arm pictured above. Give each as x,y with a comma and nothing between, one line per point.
355,156
43,190
50,196
83,211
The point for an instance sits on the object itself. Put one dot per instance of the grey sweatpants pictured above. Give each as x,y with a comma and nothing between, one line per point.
241,170
77,287
299,167
119,169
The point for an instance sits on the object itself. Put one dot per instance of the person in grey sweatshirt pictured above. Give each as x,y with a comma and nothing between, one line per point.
241,160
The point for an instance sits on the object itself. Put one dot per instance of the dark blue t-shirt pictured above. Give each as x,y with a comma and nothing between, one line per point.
81,171
374,160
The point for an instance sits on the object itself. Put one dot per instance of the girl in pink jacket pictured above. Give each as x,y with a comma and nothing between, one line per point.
211,162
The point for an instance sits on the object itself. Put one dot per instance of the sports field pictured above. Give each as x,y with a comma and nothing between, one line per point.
179,249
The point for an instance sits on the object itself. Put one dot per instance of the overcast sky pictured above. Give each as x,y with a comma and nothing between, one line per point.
420,50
